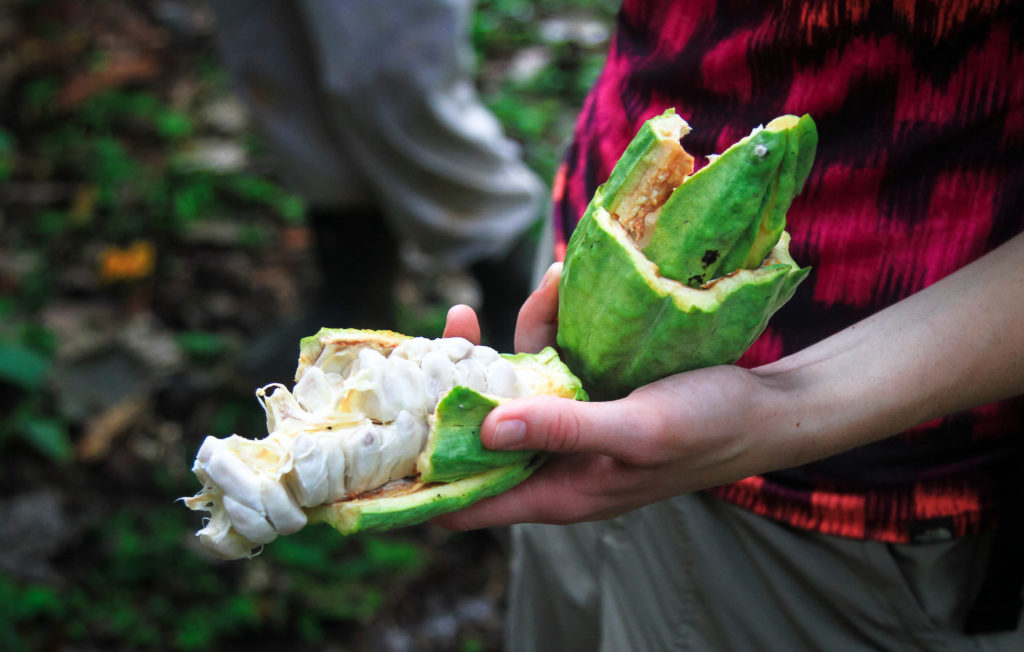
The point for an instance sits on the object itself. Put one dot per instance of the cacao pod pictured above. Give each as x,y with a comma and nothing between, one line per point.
667,271
380,431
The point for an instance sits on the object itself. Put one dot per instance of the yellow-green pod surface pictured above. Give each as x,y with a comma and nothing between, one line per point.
690,278
730,214
407,503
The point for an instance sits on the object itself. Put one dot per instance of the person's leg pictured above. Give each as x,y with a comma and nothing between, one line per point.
553,594
399,93
697,573
265,48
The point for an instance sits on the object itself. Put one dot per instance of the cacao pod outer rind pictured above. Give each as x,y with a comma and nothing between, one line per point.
651,167
729,214
402,508
454,450
621,325
327,341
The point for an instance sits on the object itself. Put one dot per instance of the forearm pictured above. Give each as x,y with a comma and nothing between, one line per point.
954,345
957,344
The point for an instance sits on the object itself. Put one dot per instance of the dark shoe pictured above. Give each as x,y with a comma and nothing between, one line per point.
358,258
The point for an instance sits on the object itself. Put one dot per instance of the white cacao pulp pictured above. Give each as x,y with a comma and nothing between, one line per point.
356,420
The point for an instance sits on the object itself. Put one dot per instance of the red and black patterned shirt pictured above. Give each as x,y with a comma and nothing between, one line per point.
920,170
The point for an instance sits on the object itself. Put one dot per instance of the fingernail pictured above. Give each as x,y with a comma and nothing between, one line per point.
509,434
550,275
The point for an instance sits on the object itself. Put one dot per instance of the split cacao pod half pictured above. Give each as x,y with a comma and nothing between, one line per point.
670,270
380,431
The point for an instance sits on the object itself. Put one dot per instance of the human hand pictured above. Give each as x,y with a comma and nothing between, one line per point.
671,437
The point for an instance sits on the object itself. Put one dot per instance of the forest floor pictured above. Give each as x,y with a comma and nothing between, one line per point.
145,243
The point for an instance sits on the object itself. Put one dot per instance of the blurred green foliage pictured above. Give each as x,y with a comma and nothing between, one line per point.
26,352
303,584
104,148
135,578
101,142
540,111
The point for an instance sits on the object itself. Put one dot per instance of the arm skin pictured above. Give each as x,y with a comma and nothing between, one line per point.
957,344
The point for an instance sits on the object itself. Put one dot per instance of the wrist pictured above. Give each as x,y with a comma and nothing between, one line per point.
816,407
795,429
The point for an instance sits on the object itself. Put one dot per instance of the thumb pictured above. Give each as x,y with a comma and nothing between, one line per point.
567,426
461,321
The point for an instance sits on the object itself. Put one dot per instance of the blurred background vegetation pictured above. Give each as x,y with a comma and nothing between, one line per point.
144,242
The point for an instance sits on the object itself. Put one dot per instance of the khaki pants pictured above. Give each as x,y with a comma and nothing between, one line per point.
696,573
368,103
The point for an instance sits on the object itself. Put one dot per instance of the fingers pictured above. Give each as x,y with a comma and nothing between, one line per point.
566,489
522,504
549,496
462,322
625,430
538,318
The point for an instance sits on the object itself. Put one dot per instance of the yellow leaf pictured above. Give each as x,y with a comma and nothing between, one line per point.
130,263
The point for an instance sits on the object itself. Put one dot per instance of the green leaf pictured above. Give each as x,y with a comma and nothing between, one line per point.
22,366
38,338
172,125
51,223
472,644
201,344
196,630
252,188
50,436
195,200
37,600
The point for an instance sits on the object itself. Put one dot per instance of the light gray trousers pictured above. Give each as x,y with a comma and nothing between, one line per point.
372,103
697,573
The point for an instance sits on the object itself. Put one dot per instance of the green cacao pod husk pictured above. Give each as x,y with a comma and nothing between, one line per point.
669,271
380,431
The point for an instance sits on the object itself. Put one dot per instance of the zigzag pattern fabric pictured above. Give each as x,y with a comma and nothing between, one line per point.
920,170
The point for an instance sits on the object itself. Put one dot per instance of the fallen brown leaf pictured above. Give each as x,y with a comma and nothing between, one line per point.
104,429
